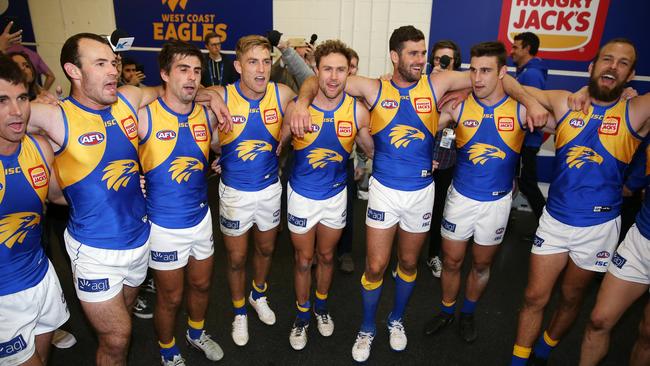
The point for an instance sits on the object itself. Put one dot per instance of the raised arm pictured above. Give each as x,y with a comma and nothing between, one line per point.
213,97
537,115
364,139
553,100
140,97
54,193
47,118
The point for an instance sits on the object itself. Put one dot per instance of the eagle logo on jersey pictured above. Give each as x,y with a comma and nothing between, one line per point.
119,172
319,157
183,166
479,153
15,226
579,155
402,135
249,149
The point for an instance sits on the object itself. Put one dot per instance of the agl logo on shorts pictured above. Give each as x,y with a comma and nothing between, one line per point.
567,29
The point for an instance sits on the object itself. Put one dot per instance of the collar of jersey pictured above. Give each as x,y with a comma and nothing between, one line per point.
245,97
182,116
330,110
493,106
89,110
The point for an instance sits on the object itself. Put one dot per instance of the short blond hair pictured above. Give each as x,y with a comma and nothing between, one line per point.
246,43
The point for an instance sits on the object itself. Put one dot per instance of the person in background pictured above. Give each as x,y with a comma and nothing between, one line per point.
130,74
218,69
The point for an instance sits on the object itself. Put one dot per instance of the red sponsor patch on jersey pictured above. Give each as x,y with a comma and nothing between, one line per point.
130,127
38,176
506,124
422,105
344,128
200,133
609,126
270,116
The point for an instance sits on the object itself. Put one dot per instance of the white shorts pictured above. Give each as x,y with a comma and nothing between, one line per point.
28,313
304,213
464,217
172,248
99,274
589,247
239,210
631,261
411,209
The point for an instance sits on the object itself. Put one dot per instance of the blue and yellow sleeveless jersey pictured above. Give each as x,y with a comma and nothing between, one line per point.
319,170
403,123
489,140
174,158
248,152
592,152
98,170
24,181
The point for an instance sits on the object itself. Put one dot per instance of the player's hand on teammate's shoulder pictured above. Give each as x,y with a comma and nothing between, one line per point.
454,97
580,100
216,167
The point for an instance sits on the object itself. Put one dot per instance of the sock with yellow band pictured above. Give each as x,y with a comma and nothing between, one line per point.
370,293
169,350
544,346
404,284
239,306
320,303
258,290
303,311
520,355
195,328
448,307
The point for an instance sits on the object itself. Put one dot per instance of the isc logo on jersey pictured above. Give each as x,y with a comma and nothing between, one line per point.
609,126
200,133
166,135
270,116
506,124
422,105
130,127
91,138
38,176
389,104
344,128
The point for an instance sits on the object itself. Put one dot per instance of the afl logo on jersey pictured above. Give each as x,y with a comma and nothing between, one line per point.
470,123
506,124
38,176
270,116
422,105
166,135
389,104
609,126
130,127
91,138
344,128
577,123
238,120
315,128
200,133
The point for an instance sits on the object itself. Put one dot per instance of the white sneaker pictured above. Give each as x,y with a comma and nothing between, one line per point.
176,361
205,343
62,339
397,335
435,265
240,330
298,335
264,312
325,324
361,348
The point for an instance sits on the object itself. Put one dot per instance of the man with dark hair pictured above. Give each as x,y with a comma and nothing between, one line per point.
218,68
490,132
316,206
130,74
531,71
444,154
175,135
580,225
404,119
95,133
31,300
250,190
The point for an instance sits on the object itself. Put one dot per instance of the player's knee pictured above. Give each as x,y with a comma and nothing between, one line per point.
265,250
237,261
170,299
115,343
570,299
408,267
375,269
326,258
482,269
199,284
534,299
303,263
599,322
451,264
